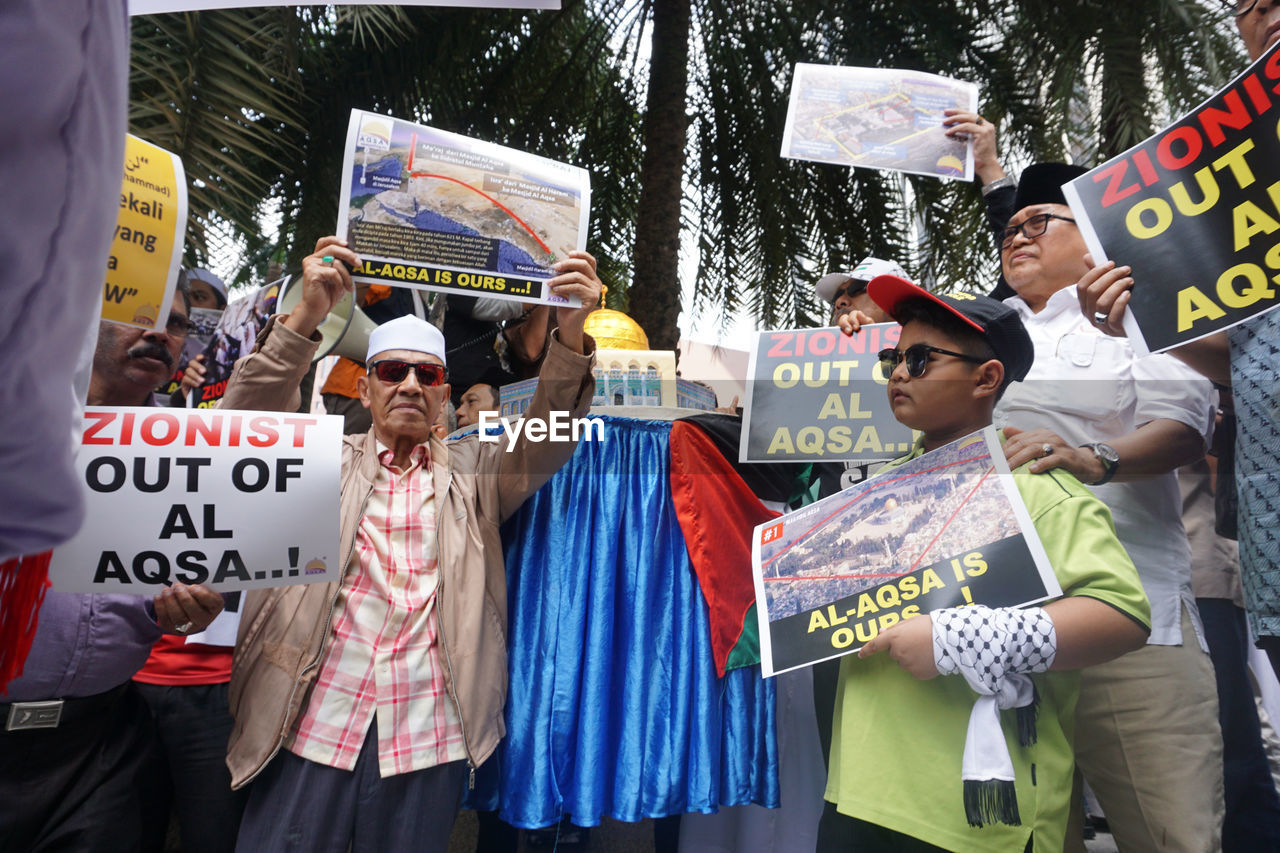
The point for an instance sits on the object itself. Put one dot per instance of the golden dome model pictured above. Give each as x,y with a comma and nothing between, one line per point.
614,329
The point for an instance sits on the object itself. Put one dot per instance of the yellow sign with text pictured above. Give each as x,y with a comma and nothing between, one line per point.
142,269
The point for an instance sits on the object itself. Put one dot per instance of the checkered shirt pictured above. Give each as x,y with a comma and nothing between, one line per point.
384,658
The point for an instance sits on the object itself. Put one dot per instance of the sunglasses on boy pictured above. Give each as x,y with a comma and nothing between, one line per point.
917,358
393,371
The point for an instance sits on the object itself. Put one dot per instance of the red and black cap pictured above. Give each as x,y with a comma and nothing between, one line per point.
999,324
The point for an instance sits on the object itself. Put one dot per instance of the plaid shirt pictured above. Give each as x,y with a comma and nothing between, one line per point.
384,658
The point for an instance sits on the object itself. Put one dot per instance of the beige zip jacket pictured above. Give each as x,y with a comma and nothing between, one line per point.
285,631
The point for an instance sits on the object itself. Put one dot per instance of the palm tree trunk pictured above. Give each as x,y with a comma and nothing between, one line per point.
654,295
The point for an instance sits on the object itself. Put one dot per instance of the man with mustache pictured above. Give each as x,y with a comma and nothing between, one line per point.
364,706
77,736
128,359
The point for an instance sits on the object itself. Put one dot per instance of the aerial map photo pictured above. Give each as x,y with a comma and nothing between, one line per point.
428,197
877,118
901,519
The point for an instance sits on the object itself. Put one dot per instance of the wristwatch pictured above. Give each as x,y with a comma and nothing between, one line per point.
1108,457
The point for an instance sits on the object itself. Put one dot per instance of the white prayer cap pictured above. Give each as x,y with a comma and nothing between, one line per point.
867,269
407,333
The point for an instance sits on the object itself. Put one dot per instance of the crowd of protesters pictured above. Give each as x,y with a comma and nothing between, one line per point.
354,714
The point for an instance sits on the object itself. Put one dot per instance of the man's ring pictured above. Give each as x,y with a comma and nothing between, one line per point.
981,120
184,628
327,260
1099,319
1046,449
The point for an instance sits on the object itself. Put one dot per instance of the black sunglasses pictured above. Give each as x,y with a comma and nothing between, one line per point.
917,358
1032,228
394,371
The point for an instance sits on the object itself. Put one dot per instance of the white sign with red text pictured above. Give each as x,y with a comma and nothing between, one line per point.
233,500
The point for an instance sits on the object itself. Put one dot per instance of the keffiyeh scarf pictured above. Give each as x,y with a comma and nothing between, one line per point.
994,650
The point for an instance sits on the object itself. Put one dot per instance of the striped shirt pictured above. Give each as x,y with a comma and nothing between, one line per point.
384,658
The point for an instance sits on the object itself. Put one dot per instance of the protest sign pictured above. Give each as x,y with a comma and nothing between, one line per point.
233,500
437,211
819,395
153,7
1195,211
945,529
233,336
204,323
877,118
142,268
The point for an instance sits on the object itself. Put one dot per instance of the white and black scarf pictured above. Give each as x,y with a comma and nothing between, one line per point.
993,650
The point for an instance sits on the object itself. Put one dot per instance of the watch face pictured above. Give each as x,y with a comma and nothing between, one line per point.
1107,453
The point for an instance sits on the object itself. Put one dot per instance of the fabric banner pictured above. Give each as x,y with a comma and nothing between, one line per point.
614,705
718,513
878,118
233,500
945,529
437,211
146,249
1195,211
819,395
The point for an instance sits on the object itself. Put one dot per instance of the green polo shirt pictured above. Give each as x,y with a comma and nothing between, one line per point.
897,742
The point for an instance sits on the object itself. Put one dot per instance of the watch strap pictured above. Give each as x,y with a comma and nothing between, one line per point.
1109,465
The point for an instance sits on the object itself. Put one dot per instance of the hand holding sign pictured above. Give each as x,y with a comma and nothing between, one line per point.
1104,291
182,609
910,644
193,377
326,276
967,124
852,322
575,277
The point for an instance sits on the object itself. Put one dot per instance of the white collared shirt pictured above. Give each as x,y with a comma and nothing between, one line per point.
1088,387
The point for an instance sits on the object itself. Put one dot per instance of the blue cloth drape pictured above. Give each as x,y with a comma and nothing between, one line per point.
614,705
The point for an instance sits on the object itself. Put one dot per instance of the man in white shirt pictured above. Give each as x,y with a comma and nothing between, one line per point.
1147,734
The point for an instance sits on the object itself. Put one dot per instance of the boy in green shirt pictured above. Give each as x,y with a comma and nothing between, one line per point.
897,781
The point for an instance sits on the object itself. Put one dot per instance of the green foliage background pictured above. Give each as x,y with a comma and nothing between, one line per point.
256,102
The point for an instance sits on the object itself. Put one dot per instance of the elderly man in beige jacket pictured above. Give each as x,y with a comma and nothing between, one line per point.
362,706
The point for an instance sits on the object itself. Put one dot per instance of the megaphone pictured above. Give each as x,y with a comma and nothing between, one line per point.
346,329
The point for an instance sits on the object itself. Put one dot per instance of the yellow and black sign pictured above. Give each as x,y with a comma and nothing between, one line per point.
947,528
451,250
1000,574
819,395
1195,211
142,269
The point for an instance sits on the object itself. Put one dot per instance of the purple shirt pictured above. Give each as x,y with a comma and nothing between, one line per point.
65,68
85,644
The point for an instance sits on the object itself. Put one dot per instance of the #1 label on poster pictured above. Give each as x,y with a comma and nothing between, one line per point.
429,209
877,118
945,529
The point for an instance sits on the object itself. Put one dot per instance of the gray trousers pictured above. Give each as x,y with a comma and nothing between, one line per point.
298,805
